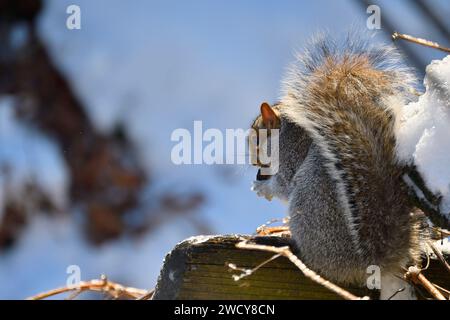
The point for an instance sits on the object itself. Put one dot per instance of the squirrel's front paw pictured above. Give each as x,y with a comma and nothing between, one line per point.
263,189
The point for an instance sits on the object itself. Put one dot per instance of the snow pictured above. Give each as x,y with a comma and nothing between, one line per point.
424,132
443,245
199,239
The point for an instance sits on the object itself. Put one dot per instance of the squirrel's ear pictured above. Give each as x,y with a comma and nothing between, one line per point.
270,118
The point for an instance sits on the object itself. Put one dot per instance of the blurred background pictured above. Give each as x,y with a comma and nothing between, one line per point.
86,116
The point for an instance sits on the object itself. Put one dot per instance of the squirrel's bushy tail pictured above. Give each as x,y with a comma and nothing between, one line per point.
346,97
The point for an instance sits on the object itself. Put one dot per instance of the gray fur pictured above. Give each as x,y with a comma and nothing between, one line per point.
338,170
317,223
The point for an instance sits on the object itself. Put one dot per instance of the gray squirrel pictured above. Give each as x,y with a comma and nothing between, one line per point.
338,171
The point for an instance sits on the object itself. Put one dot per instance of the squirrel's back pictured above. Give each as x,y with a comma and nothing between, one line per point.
346,98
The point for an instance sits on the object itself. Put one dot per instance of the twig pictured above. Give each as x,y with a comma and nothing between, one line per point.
428,262
415,275
147,296
425,200
389,28
442,289
439,254
115,290
283,230
286,252
247,272
265,231
396,292
420,41
441,231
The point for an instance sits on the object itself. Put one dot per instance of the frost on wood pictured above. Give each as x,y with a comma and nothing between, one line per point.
424,133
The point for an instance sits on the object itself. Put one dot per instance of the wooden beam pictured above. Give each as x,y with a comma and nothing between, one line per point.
197,268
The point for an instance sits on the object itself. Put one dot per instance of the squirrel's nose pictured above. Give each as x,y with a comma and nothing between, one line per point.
260,177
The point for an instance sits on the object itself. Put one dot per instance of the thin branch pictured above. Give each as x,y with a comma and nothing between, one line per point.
389,27
247,272
439,254
396,293
147,296
442,290
113,289
422,198
286,252
279,230
420,41
441,231
282,231
415,275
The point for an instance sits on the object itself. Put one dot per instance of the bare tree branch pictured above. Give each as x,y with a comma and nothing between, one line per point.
415,275
439,254
113,289
422,42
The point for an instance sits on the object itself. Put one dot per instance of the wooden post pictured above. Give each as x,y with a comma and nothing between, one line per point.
197,268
